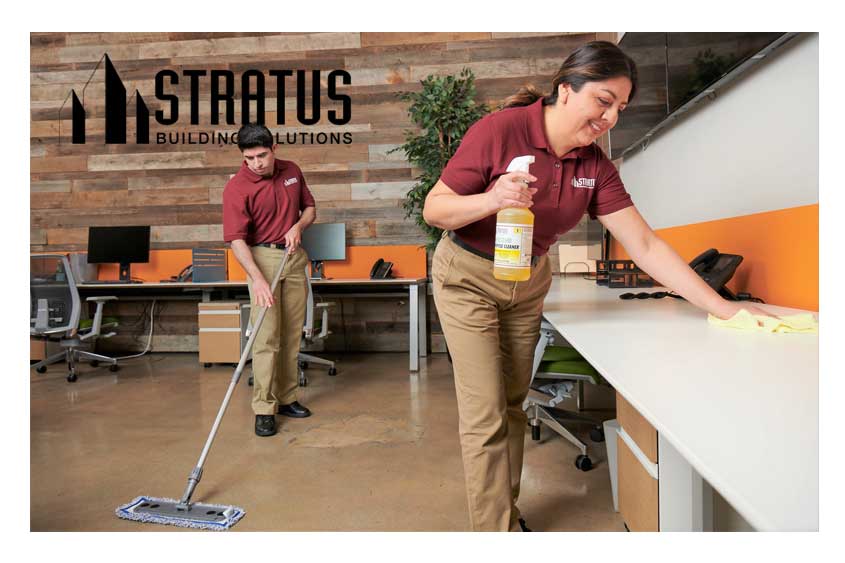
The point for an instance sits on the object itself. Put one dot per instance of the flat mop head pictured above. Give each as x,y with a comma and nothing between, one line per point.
169,511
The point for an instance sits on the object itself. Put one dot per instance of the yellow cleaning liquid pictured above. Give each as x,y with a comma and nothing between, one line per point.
514,234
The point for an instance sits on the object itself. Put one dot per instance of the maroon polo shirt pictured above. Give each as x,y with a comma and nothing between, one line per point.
258,209
584,180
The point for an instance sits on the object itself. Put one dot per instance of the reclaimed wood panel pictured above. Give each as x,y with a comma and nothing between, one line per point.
178,188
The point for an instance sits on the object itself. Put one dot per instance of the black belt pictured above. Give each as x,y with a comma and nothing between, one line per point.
277,246
469,248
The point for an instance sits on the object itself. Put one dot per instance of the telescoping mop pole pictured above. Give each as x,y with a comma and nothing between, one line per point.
183,512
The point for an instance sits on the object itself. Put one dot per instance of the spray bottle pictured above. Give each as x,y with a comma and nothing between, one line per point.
514,235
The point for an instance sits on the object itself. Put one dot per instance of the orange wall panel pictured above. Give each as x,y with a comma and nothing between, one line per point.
409,261
780,251
162,265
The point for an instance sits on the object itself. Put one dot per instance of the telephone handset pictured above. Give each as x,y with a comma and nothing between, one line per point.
185,275
716,269
381,270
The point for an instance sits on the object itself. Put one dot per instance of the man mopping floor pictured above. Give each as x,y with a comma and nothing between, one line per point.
266,207
183,512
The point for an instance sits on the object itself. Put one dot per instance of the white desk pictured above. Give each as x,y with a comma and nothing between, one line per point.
414,288
740,408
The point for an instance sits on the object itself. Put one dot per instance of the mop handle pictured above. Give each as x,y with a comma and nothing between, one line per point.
196,474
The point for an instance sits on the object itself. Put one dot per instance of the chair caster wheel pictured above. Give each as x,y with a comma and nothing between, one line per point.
303,364
332,371
250,381
42,369
535,432
114,367
597,434
95,363
71,377
206,365
583,463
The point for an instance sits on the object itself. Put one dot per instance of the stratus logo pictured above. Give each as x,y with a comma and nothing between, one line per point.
115,111
220,90
583,182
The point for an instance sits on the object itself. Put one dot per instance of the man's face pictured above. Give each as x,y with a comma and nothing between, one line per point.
260,160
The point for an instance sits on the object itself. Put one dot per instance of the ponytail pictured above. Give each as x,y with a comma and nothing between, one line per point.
526,96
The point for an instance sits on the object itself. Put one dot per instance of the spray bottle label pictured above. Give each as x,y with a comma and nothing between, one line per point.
513,245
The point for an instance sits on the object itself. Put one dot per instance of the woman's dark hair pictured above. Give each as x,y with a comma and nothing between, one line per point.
592,62
254,135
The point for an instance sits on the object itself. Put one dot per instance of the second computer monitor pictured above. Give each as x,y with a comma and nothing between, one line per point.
324,241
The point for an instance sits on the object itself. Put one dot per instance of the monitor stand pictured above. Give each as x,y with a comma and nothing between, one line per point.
317,270
124,272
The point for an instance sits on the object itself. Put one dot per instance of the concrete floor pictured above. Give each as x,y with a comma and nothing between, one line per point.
381,452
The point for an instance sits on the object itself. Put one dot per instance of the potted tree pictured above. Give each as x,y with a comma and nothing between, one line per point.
443,110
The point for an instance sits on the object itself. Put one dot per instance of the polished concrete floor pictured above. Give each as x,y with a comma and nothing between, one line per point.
381,452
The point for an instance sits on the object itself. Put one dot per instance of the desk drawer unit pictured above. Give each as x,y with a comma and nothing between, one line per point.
219,332
637,469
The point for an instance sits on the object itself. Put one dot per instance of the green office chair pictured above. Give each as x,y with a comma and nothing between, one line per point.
558,373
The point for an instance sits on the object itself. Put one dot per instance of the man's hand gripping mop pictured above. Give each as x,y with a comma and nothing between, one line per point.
183,512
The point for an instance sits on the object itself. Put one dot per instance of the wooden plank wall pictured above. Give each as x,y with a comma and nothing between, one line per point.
177,189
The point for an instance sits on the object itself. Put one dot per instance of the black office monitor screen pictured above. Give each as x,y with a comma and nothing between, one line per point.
123,245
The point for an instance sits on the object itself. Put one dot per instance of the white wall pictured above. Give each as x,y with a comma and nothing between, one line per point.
752,149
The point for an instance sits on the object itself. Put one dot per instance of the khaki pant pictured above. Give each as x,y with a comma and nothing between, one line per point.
274,352
491,328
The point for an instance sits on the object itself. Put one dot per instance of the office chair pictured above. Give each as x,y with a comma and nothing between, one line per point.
557,373
316,328
55,311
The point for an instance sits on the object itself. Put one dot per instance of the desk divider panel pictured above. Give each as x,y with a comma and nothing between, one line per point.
409,261
162,265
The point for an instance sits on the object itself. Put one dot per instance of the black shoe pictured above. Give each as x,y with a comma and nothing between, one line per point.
294,410
265,425
523,526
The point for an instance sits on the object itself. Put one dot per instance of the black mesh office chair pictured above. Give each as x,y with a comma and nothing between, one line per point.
55,311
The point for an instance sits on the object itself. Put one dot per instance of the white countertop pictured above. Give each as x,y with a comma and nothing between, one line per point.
741,407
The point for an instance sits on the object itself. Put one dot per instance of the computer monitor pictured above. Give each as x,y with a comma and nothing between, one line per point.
123,245
324,241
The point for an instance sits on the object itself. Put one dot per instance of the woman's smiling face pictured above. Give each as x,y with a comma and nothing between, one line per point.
594,110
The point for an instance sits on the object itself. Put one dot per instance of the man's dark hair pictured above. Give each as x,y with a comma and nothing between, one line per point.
254,135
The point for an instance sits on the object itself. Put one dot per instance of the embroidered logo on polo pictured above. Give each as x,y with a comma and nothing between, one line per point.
290,181
589,183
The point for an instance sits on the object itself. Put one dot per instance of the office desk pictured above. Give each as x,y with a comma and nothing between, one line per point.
740,408
413,288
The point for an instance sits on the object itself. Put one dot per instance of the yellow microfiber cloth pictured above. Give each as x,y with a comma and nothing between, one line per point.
743,320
